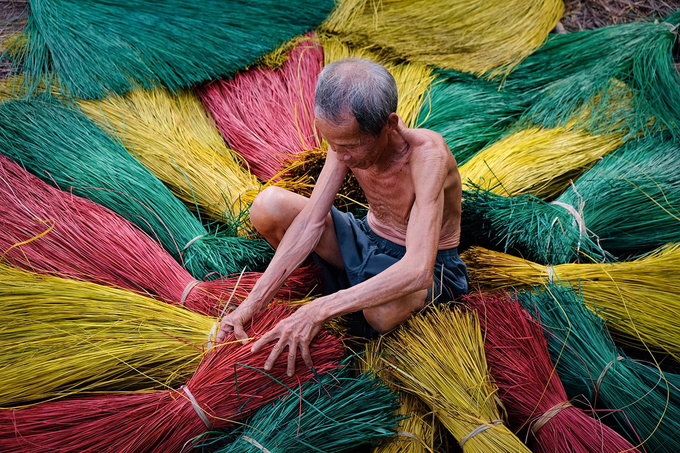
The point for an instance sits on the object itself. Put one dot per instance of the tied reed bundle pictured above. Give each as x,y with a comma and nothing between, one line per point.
265,113
417,427
172,137
49,231
638,298
98,46
227,386
643,401
61,337
472,37
439,356
571,68
536,161
337,413
469,113
591,217
518,358
67,150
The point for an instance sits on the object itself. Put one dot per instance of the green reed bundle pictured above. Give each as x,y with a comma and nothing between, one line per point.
469,113
643,402
336,412
99,46
67,150
569,69
593,216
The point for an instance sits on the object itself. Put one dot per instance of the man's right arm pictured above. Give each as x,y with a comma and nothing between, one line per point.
297,243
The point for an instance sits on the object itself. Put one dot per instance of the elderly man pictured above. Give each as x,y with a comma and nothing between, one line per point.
398,258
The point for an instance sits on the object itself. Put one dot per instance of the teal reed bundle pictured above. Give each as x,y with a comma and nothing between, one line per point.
337,412
98,46
627,203
644,402
67,150
569,69
469,113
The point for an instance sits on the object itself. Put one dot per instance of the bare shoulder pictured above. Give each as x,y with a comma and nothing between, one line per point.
429,147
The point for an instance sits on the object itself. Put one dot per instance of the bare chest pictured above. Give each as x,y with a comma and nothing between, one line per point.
390,195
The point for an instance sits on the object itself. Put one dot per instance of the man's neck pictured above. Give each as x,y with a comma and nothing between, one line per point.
397,147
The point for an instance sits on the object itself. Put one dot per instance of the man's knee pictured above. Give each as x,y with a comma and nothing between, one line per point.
266,210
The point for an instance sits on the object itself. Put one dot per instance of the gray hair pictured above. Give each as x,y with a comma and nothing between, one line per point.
364,88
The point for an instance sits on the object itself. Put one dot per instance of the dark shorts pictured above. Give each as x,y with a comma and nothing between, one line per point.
365,254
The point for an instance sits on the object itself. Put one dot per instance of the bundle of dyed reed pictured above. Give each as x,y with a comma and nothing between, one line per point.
172,137
573,67
473,37
529,387
469,113
265,114
66,149
337,413
641,399
96,47
61,337
227,386
592,216
417,427
638,298
439,356
46,230
536,161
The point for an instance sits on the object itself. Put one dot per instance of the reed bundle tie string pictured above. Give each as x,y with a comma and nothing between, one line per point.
211,335
548,415
192,241
609,365
255,444
187,290
479,429
197,408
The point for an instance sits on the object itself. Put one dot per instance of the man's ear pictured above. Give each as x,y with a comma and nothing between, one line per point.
392,122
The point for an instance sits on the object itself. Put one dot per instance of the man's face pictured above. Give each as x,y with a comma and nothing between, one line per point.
353,147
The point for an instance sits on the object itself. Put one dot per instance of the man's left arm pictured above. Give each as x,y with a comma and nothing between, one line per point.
414,272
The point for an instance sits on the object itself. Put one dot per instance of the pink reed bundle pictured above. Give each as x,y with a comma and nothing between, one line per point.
228,385
266,114
535,400
49,231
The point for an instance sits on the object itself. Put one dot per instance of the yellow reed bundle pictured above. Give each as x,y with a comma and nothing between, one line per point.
172,136
477,37
439,356
417,427
61,337
413,80
537,161
639,298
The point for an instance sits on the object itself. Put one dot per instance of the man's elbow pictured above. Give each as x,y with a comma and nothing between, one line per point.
424,279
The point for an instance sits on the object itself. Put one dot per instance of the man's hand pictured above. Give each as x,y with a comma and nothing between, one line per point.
233,322
296,331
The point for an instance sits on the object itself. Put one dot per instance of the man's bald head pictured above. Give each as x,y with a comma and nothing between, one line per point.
359,87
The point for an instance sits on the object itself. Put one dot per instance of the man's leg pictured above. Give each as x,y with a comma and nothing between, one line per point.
274,209
388,316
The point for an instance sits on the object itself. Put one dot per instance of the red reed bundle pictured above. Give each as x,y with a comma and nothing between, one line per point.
227,386
46,230
535,400
266,115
